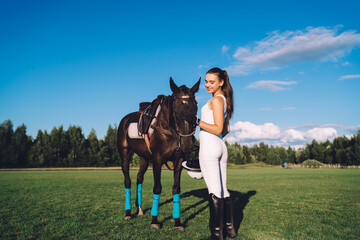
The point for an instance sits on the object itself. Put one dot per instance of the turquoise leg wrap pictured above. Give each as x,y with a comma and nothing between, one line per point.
127,199
155,206
139,195
176,206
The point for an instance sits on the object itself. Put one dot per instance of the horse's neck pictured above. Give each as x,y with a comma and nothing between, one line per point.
167,110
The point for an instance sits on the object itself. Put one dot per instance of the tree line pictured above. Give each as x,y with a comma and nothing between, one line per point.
58,148
341,150
70,148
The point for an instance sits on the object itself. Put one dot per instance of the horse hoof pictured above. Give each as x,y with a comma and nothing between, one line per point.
140,212
128,217
155,225
179,228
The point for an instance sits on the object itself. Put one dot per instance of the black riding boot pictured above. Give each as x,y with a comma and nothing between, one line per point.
229,218
216,217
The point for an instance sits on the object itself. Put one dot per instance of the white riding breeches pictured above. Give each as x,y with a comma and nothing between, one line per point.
213,161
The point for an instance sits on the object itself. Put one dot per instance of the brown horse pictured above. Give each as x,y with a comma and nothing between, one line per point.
172,137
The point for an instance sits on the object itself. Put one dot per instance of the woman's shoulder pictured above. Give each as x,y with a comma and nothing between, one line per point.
216,100
219,99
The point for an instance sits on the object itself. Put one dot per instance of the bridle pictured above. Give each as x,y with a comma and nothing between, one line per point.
177,129
175,132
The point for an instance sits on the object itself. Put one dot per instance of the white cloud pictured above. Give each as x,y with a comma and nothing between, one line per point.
349,77
321,134
280,49
271,85
310,126
352,128
224,49
248,130
249,133
292,135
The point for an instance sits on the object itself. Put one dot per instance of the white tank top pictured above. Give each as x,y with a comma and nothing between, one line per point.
207,114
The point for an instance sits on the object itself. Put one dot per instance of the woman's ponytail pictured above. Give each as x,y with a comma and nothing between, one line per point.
228,92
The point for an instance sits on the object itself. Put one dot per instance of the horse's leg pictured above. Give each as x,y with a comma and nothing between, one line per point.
125,162
176,197
140,178
156,193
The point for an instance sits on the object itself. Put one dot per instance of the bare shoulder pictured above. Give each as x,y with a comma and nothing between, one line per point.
216,101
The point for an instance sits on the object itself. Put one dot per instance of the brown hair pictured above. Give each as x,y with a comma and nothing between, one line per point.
228,92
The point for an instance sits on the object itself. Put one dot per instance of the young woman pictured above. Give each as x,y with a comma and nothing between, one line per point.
214,125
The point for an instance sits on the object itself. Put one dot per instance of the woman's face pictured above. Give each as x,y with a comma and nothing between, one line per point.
213,83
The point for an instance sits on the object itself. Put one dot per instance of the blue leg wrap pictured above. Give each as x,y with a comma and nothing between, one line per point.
139,195
176,206
127,199
155,206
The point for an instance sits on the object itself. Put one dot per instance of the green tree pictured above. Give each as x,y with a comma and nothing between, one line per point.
21,146
7,158
47,150
273,156
305,154
60,147
77,150
298,155
317,151
247,156
235,154
111,142
263,151
291,153
328,155
36,151
282,154
355,148
92,148
338,149
255,151
103,154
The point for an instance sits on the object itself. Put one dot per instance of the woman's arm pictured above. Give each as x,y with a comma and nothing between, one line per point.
217,106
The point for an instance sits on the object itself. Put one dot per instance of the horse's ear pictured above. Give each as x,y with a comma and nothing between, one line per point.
173,86
195,88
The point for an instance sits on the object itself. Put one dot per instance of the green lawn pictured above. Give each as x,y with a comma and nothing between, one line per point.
269,204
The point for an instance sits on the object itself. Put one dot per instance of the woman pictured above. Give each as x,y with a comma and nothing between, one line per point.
214,125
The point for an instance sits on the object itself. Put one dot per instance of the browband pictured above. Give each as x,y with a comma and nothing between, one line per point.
184,96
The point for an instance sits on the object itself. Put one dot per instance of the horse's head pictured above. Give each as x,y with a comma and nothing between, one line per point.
184,101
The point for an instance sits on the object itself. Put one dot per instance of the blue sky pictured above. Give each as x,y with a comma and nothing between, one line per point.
294,67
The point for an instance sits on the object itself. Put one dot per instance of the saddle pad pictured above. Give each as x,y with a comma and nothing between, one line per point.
133,131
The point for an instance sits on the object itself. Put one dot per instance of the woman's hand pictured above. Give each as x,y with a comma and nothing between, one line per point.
190,118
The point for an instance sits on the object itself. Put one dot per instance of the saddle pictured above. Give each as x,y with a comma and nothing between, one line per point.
148,111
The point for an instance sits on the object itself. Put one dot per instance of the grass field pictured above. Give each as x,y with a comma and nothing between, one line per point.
269,204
